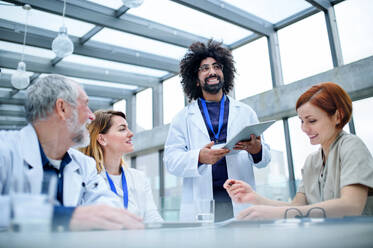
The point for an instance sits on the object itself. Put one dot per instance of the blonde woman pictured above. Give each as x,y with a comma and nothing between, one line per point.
110,140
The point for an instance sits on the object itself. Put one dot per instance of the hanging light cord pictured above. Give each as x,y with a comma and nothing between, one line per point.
24,36
63,12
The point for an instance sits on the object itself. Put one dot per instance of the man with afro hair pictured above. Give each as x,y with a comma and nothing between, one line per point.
207,74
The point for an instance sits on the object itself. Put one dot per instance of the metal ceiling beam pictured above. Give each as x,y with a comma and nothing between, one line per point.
10,127
230,13
280,25
12,113
91,90
43,65
15,123
121,11
334,41
322,5
296,17
94,103
38,37
13,101
244,41
356,78
104,16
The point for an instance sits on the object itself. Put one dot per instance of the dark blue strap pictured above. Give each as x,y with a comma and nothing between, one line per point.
208,120
124,187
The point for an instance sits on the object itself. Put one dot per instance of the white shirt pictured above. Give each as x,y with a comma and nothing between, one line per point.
117,180
140,196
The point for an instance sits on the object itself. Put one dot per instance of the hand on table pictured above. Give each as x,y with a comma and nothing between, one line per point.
103,217
261,212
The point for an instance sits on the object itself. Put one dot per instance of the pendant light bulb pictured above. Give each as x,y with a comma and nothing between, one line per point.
132,3
62,46
20,80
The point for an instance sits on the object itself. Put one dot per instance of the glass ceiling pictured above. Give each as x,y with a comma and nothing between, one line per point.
114,4
136,42
271,10
178,16
106,64
30,50
164,12
44,20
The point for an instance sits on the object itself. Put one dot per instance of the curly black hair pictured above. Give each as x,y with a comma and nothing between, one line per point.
189,65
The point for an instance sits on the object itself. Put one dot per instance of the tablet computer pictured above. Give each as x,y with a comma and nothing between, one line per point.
244,134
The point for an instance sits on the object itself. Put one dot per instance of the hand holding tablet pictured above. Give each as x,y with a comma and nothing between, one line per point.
245,135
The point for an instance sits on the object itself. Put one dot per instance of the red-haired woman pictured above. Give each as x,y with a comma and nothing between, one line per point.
337,180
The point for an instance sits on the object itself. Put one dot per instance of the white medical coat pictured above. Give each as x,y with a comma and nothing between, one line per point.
20,161
187,135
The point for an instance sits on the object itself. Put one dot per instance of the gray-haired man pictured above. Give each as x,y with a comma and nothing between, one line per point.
57,111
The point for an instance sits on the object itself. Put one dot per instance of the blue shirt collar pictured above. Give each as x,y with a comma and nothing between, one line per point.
44,160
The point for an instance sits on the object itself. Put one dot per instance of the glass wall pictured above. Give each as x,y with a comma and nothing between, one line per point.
149,164
173,98
273,180
304,48
354,20
144,110
120,106
300,145
253,69
364,121
172,196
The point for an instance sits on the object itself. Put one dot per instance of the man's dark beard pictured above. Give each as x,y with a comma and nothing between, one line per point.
213,88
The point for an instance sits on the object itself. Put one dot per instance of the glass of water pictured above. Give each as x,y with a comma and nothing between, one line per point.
32,211
205,210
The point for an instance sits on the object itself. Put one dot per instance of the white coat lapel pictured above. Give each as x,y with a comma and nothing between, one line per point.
72,184
196,118
30,152
233,119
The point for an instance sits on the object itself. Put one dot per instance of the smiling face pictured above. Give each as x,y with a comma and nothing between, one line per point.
118,138
210,76
318,125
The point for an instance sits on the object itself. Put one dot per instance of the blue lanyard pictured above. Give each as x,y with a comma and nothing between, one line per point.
208,120
124,187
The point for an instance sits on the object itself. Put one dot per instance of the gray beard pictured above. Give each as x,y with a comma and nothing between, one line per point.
213,88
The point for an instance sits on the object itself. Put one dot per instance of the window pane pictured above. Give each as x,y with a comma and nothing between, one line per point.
144,110
29,50
304,48
149,164
172,196
44,20
272,181
271,10
173,98
253,69
114,4
300,146
354,19
189,20
114,65
104,83
120,106
364,121
136,42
